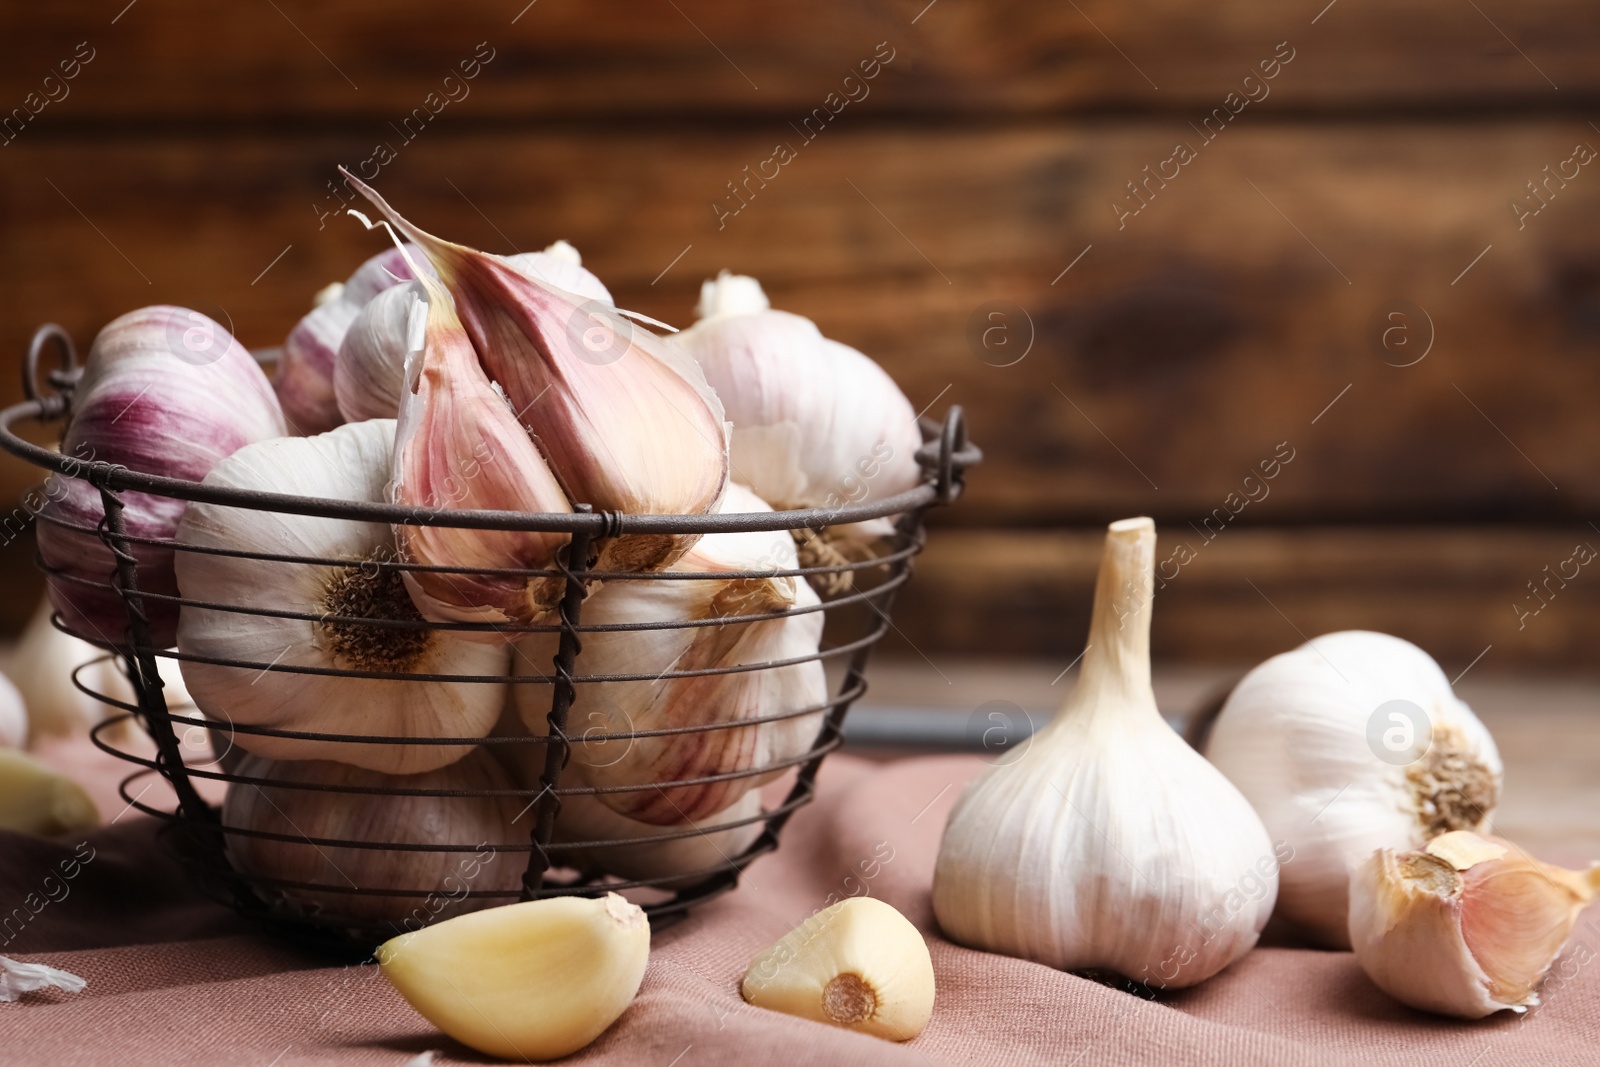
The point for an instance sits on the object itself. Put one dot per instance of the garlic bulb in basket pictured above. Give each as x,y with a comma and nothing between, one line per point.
1109,843
685,860
650,702
351,463
1352,742
458,445
305,378
480,825
815,423
370,367
165,391
626,421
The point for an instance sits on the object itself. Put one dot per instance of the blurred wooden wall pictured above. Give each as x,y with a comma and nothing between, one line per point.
1145,362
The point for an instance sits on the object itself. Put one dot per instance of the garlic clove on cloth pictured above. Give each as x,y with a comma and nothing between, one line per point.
859,965
1467,926
1352,742
458,445
627,422
37,800
164,391
349,463
530,981
815,422
305,805
1109,843
649,701
305,381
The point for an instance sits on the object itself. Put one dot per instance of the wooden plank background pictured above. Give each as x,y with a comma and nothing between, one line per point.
1230,319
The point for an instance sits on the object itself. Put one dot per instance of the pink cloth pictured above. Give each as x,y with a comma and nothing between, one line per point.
176,980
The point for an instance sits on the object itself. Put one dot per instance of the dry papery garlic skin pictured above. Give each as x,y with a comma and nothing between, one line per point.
859,964
530,981
1467,926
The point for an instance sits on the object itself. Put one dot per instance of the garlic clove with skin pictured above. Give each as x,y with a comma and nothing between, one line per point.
1109,843
354,463
684,859
1352,742
530,981
458,445
858,964
1468,926
626,421
561,266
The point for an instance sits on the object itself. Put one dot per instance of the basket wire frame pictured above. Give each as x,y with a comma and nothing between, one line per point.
194,830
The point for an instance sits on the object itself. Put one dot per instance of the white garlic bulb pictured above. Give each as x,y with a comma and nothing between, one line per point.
1352,742
602,709
1466,927
305,378
165,391
351,463
480,825
369,369
626,421
686,859
1109,844
815,423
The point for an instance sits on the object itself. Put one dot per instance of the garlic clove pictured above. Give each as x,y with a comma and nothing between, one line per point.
459,445
36,800
1466,927
164,391
859,964
1306,735
1109,843
530,981
815,422
352,462
626,421
369,372
685,860
390,884
560,265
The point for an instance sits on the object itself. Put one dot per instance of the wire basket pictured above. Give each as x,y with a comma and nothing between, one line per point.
857,594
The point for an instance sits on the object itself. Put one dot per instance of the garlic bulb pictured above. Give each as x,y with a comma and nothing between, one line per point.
37,800
13,715
42,668
530,981
859,964
165,391
348,463
1109,843
626,422
480,825
305,378
815,423
684,859
458,445
1465,927
651,702
1350,743
369,370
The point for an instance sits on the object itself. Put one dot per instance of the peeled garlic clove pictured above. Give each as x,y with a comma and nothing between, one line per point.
815,423
1466,927
602,710
305,378
859,964
352,463
636,850
1352,742
530,981
459,445
165,391
36,800
626,422
1109,843
438,881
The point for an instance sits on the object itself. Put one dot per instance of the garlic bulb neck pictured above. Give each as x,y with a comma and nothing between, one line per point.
1116,661
731,294
363,590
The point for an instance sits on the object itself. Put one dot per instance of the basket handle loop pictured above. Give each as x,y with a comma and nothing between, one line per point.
64,376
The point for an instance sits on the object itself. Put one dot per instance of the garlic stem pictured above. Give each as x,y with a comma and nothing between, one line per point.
1116,661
